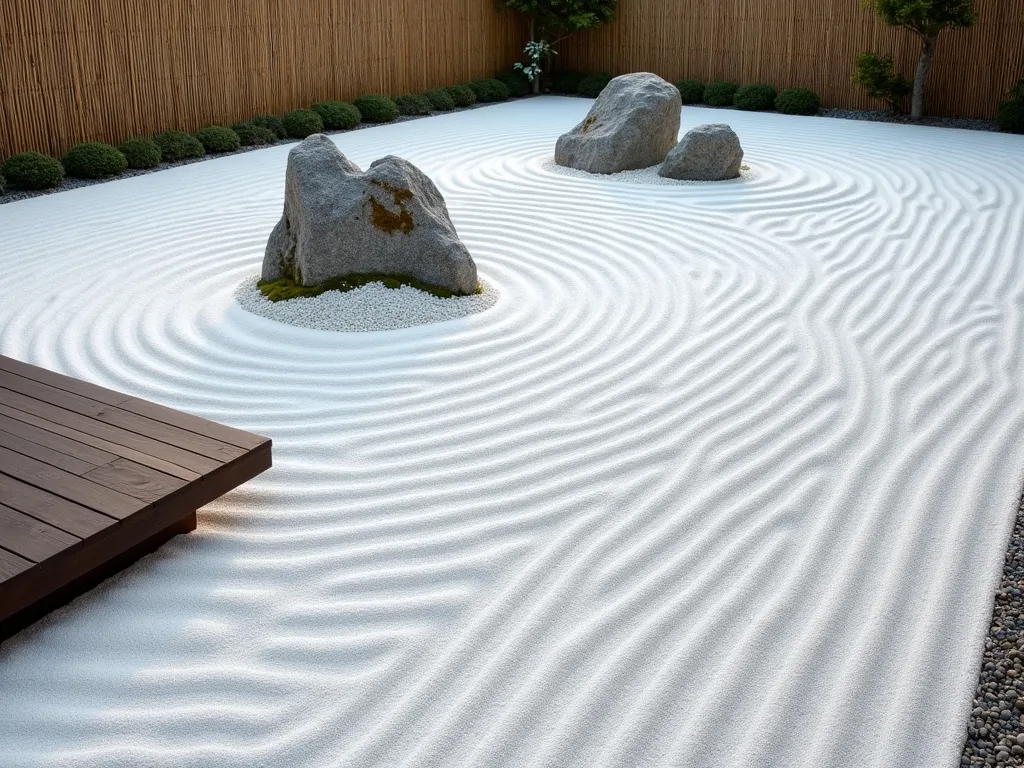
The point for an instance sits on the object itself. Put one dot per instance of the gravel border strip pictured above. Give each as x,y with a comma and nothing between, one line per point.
995,729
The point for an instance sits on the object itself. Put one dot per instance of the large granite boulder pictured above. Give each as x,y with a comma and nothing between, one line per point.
340,221
633,124
706,153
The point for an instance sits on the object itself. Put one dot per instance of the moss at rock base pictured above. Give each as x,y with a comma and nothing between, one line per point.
286,288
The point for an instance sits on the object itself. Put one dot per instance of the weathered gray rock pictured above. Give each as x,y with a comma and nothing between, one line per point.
706,153
633,124
340,221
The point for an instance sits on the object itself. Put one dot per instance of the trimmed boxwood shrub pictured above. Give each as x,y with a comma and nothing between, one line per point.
376,108
252,135
178,145
592,85
337,115
217,138
755,97
300,123
271,123
798,101
440,100
1010,117
489,90
33,170
94,160
691,91
462,95
412,104
518,84
141,153
566,81
720,94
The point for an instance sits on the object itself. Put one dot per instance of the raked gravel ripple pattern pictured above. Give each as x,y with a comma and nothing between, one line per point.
723,478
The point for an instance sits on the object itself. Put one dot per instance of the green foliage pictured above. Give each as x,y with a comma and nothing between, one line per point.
33,170
568,15
1010,117
489,90
720,93
566,81
691,91
376,108
592,85
3,184
337,115
300,123
925,17
271,123
516,81
755,97
798,101
178,145
141,153
286,288
217,138
877,75
94,160
462,95
412,104
252,135
440,100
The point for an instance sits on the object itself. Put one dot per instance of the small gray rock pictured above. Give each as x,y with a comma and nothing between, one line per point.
706,153
340,221
632,125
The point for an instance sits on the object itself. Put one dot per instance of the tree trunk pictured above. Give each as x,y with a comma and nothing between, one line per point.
535,85
924,65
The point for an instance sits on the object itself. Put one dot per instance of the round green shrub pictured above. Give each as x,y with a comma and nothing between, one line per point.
720,94
300,123
141,153
440,100
412,104
755,97
271,123
376,108
691,91
337,115
3,184
1010,117
33,170
217,138
252,135
94,160
566,81
178,145
489,90
798,101
518,84
462,95
592,85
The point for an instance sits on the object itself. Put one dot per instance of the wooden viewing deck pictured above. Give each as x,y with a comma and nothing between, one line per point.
91,480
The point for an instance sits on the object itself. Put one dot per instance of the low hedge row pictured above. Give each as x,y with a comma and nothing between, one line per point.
94,160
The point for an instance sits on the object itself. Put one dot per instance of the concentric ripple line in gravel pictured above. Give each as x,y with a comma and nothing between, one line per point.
724,477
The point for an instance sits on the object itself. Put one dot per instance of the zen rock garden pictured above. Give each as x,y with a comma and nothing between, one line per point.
340,221
634,124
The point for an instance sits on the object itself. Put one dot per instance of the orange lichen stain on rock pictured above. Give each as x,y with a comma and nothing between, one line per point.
400,194
589,123
388,221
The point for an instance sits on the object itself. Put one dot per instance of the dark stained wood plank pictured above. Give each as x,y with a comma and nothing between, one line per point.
135,480
28,538
60,381
68,486
58,512
77,421
131,422
230,435
61,443
105,445
12,565
42,453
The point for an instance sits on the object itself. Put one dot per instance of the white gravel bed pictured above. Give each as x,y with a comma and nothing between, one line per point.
371,307
644,175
